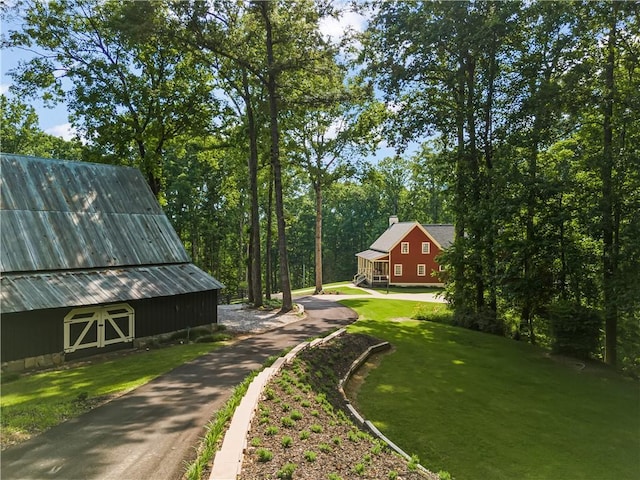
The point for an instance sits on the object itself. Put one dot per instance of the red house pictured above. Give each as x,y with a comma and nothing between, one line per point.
404,255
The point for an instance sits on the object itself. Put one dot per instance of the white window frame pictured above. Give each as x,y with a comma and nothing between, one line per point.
397,269
404,248
422,270
442,268
426,248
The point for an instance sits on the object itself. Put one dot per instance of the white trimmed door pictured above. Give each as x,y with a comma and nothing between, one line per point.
97,327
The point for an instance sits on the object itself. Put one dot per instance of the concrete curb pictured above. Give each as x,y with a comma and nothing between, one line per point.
227,462
357,416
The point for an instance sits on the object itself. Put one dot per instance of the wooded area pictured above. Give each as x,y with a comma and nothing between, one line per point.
253,129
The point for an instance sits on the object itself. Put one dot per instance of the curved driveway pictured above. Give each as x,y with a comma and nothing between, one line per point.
152,432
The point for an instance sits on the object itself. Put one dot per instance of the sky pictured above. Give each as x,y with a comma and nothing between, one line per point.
55,120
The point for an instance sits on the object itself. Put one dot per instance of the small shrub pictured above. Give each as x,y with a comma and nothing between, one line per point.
287,422
444,475
272,430
334,476
305,434
393,475
325,448
315,428
256,442
286,441
269,394
315,413
305,403
264,455
336,441
296,415
353,436
286,472
413,463
310,456
359,469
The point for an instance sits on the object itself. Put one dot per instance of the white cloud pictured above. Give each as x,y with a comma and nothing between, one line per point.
334,29
64,130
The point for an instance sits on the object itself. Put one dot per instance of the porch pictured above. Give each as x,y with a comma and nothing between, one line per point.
373,269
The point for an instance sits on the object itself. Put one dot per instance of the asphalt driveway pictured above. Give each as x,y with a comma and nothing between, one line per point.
153,431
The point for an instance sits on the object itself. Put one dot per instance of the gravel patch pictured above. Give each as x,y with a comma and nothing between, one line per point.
242,318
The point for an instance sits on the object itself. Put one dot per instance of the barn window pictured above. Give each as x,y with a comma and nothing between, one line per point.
442,268
397,269
422,270
404,247
426,247
97,327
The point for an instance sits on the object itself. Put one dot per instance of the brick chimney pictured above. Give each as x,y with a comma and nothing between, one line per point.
393,219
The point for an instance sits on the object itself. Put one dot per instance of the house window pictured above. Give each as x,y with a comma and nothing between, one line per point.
422,270
404,247
442,268
397,269
426,247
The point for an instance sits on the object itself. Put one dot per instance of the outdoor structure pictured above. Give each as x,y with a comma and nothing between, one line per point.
404,255
89,262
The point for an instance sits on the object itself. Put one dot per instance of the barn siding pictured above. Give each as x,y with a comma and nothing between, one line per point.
30,334
41,332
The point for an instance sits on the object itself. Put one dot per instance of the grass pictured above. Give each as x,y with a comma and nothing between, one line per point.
392,289
490,407
340,288
35,402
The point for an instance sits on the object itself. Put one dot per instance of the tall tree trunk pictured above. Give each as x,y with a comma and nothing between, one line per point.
460,294
287,303
476,224
268,271
317,186
609,263
255,262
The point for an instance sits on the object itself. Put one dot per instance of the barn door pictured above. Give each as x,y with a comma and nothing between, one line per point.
97,327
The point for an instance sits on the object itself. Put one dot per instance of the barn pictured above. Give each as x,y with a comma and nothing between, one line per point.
89,263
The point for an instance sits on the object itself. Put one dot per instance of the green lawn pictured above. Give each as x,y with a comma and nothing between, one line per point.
485,407
341,288
35,402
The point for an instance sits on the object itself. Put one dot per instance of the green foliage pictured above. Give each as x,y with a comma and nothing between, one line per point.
286,441
264,455
310,456
286,472
316,428
575,329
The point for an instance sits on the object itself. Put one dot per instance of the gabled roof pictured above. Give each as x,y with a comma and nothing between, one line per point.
443,234
392,236
60,215
77,233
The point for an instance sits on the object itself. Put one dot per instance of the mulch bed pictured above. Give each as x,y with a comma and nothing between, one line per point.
301,429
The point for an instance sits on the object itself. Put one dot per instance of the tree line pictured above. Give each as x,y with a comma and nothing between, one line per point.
252,128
